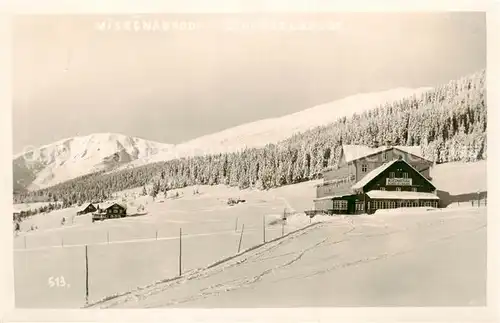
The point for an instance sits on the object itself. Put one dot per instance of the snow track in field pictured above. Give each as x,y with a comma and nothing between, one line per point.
306,254
203,273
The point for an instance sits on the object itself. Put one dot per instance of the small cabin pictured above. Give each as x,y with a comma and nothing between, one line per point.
116,210
89,208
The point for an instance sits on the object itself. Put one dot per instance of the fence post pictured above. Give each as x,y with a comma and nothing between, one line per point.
236,226
108,236
86,276
157,234
24,242
264,228
180,251
241,237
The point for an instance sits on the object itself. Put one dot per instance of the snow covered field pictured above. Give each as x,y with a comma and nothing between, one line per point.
134,255
426,258
144,249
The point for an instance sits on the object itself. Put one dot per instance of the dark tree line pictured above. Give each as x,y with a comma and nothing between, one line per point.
448,122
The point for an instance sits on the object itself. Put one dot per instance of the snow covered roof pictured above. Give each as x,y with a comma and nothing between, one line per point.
106,205
355,152
84,206
329,197
371,175
414,150
374,173
404,195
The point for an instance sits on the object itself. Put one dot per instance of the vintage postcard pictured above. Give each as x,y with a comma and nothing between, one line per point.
249,160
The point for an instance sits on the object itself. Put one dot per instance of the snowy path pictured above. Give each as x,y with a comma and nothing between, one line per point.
432,258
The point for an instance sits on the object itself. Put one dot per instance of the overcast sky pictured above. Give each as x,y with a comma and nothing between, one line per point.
79,75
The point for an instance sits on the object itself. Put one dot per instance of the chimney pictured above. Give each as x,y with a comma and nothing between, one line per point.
374,144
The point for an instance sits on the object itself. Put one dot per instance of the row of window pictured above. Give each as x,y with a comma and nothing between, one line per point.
340,205
375,205
393,175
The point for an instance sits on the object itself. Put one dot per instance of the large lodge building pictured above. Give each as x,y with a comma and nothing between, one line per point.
371,178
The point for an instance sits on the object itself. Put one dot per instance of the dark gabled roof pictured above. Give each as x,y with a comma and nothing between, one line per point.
379,170
371,175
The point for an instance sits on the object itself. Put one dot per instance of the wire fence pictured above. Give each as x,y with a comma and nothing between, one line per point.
97,270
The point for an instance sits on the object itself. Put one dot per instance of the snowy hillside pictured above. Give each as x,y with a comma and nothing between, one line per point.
262,132
460,178
73,157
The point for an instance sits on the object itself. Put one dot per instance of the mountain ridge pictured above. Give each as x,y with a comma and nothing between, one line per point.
71,157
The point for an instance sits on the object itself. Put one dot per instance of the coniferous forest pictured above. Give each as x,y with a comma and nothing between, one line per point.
448,122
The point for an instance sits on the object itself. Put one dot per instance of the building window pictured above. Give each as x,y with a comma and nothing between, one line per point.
392,175
398,189
364,168
340,205
359,206
430,203
405,175
414,189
